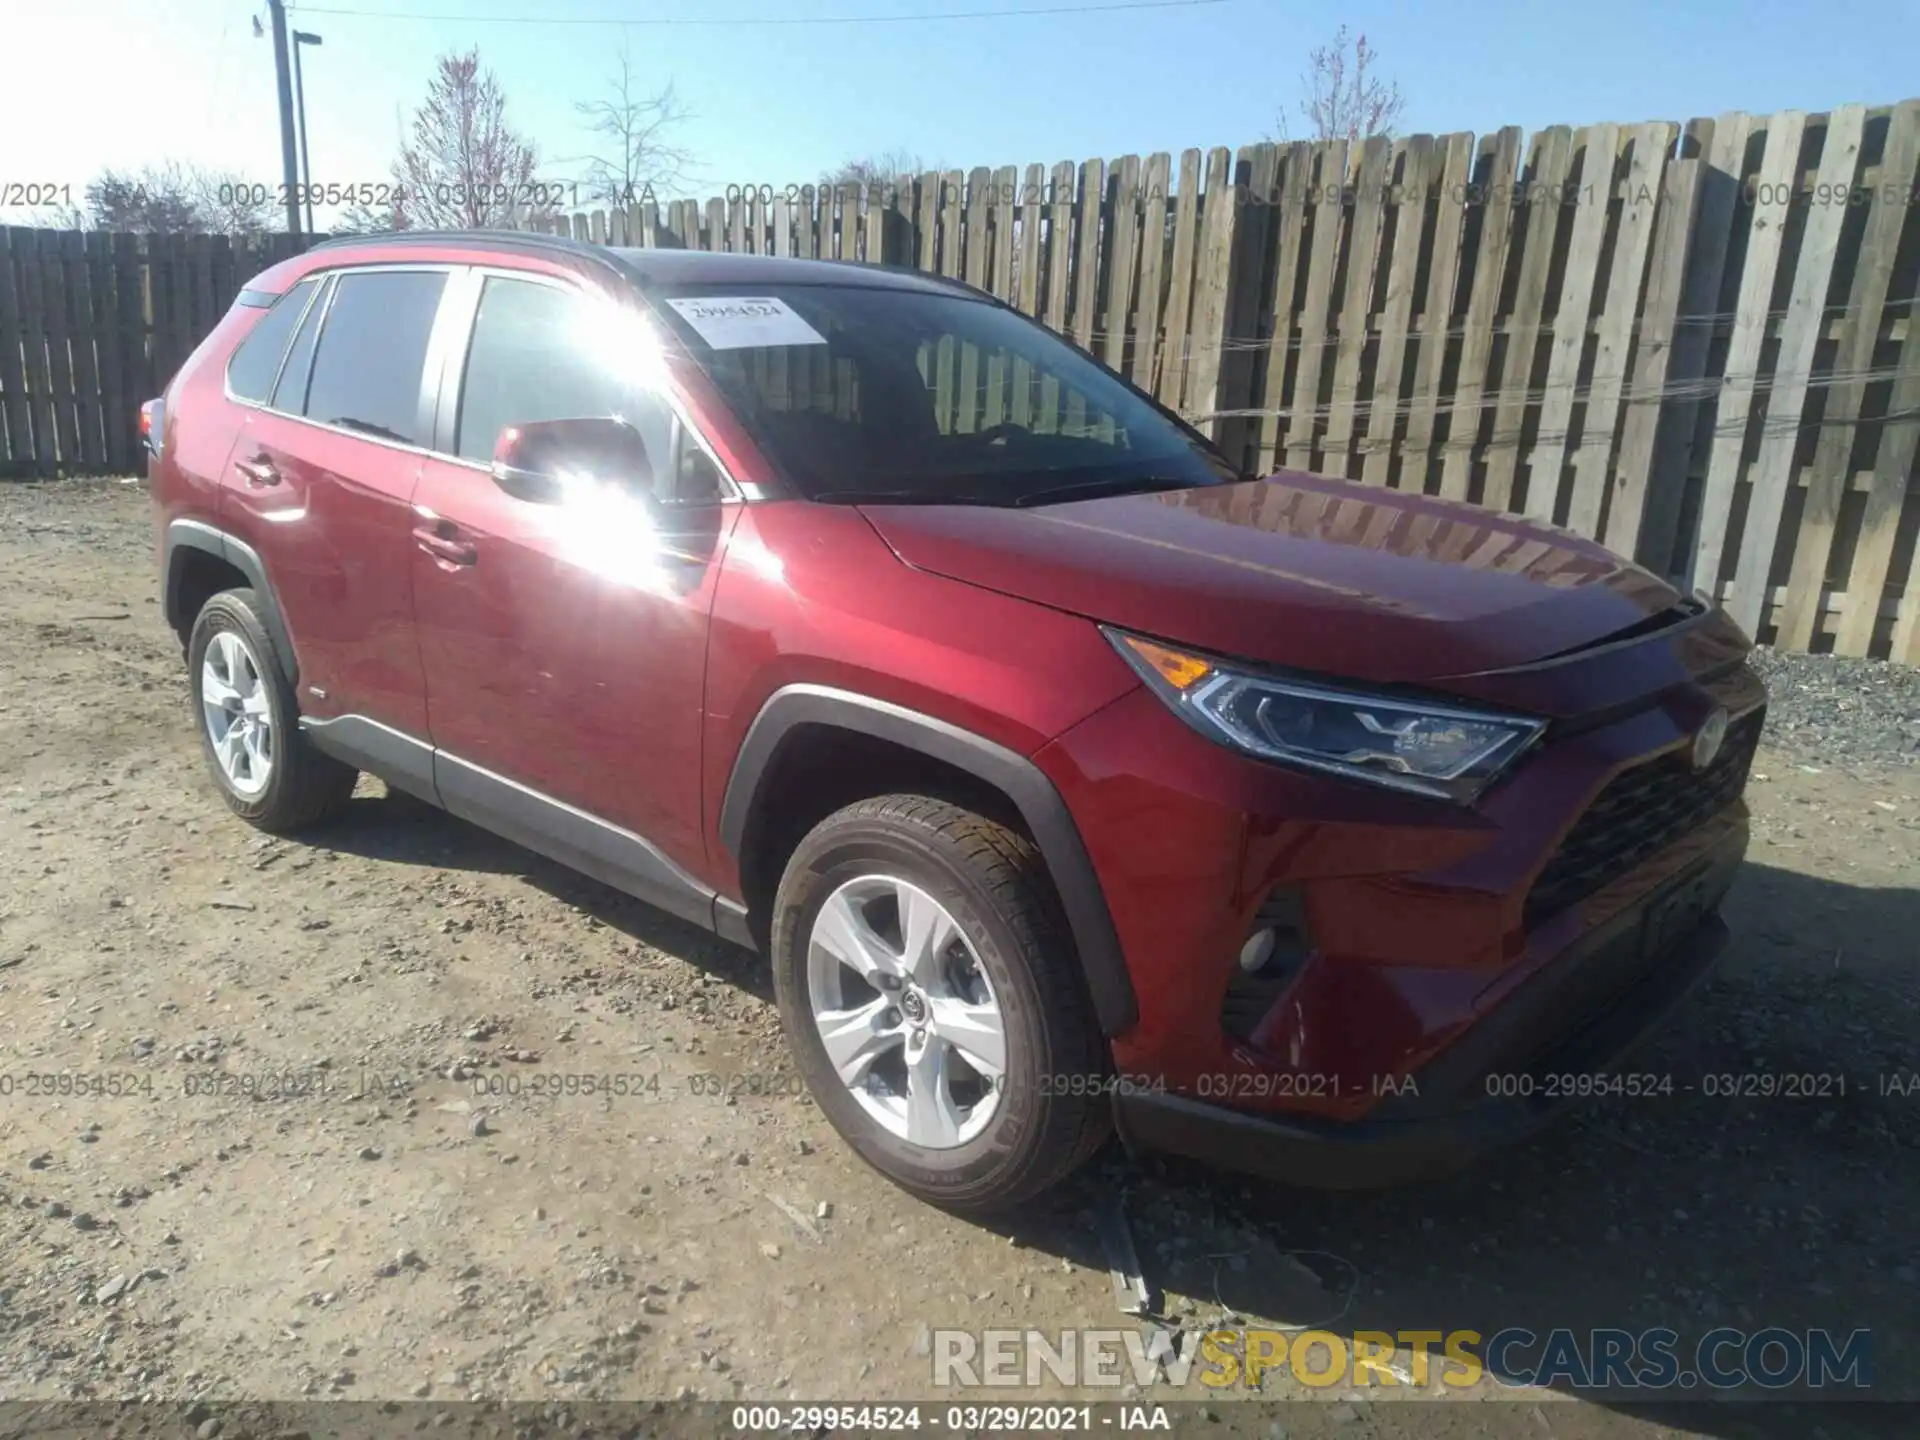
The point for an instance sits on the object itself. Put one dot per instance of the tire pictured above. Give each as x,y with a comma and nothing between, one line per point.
1014,960
282,784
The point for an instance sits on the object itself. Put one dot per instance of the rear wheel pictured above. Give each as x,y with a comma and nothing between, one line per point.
267,771
931,998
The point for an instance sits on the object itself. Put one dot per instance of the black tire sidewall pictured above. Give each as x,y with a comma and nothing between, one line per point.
856,847
233,610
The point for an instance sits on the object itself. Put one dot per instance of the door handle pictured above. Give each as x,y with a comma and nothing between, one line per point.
259,471
446,549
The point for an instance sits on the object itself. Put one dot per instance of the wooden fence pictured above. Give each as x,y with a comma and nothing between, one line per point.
92,324
1694,342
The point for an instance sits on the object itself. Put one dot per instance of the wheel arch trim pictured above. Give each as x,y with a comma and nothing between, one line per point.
1040,805
182,535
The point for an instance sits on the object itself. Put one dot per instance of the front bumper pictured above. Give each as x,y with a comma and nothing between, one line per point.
1502,1080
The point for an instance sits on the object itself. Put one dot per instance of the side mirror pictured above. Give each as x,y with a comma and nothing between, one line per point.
540,460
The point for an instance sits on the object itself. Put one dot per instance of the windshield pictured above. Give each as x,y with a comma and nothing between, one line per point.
908,396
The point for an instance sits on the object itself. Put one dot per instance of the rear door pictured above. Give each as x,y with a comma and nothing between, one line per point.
565,644
321,482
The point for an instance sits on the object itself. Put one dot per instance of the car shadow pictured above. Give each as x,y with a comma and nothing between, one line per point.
1723,1202
397,828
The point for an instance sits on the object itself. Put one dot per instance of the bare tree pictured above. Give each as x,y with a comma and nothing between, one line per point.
882,169
158,198
634,151
465,167
230,204
1345,99
360,218
176,197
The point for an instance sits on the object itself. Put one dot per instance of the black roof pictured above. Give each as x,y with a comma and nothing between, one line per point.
714,267
649,268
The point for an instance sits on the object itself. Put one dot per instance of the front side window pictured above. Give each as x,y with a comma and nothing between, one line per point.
372,351
538,352
255,363
862,393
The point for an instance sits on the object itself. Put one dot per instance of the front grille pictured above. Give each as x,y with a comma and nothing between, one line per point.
1640,813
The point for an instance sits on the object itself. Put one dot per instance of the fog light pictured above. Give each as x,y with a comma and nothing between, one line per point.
1257,951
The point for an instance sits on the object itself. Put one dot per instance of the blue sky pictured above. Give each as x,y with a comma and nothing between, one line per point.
93,83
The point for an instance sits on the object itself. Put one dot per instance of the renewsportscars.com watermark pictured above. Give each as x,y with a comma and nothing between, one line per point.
1600,1359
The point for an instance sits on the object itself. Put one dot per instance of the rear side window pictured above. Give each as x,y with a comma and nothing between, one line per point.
257,360
372,350
534,356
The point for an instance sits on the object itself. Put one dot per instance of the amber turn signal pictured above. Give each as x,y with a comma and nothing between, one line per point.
1179,669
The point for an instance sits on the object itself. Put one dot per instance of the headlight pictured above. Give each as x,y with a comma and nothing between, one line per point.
1427,749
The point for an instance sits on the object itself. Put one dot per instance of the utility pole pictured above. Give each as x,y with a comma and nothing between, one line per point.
289,157
301,39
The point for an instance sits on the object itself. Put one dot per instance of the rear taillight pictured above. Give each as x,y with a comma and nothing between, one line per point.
153,420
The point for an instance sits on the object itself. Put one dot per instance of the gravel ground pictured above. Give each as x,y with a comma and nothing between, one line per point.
1839,710
416,1225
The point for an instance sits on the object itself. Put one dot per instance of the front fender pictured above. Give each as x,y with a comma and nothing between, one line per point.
1015,776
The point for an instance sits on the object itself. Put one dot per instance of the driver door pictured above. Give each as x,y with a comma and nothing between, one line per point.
564,643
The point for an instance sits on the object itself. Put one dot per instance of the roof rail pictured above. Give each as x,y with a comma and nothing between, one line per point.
520,241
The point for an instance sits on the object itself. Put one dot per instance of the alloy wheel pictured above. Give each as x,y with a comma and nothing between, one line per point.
904,1008
238,717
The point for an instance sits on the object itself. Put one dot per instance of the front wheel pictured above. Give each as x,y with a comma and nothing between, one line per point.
933,1003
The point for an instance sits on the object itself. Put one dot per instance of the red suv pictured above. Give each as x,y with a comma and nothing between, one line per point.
1068,779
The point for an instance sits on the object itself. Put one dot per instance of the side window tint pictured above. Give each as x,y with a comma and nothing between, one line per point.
291,393
366,373
257,360
532,357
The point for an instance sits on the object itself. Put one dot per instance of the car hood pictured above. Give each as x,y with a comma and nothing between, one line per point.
1299,571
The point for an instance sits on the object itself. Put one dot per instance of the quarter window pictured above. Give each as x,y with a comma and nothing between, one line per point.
290,392
372,351
255,363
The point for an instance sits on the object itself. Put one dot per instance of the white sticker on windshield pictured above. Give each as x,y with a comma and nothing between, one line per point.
741,322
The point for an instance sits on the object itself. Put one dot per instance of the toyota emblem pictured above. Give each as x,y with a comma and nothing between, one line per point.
1706,744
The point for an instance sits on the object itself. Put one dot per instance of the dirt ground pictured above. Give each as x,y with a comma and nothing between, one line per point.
379,1223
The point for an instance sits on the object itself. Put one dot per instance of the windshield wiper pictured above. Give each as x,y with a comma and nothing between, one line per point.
1092,489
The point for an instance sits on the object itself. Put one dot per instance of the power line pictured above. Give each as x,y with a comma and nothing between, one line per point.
715,21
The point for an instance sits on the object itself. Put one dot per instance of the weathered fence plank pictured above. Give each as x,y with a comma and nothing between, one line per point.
1544,195
1316,306
1356,312
1174,357
89,451
1434,318
1676,203
1295,174
1802,330
1494,171
1153,257
1766,228
1411,181
16,429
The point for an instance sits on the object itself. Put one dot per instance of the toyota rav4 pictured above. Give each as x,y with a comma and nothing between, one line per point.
1069,780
